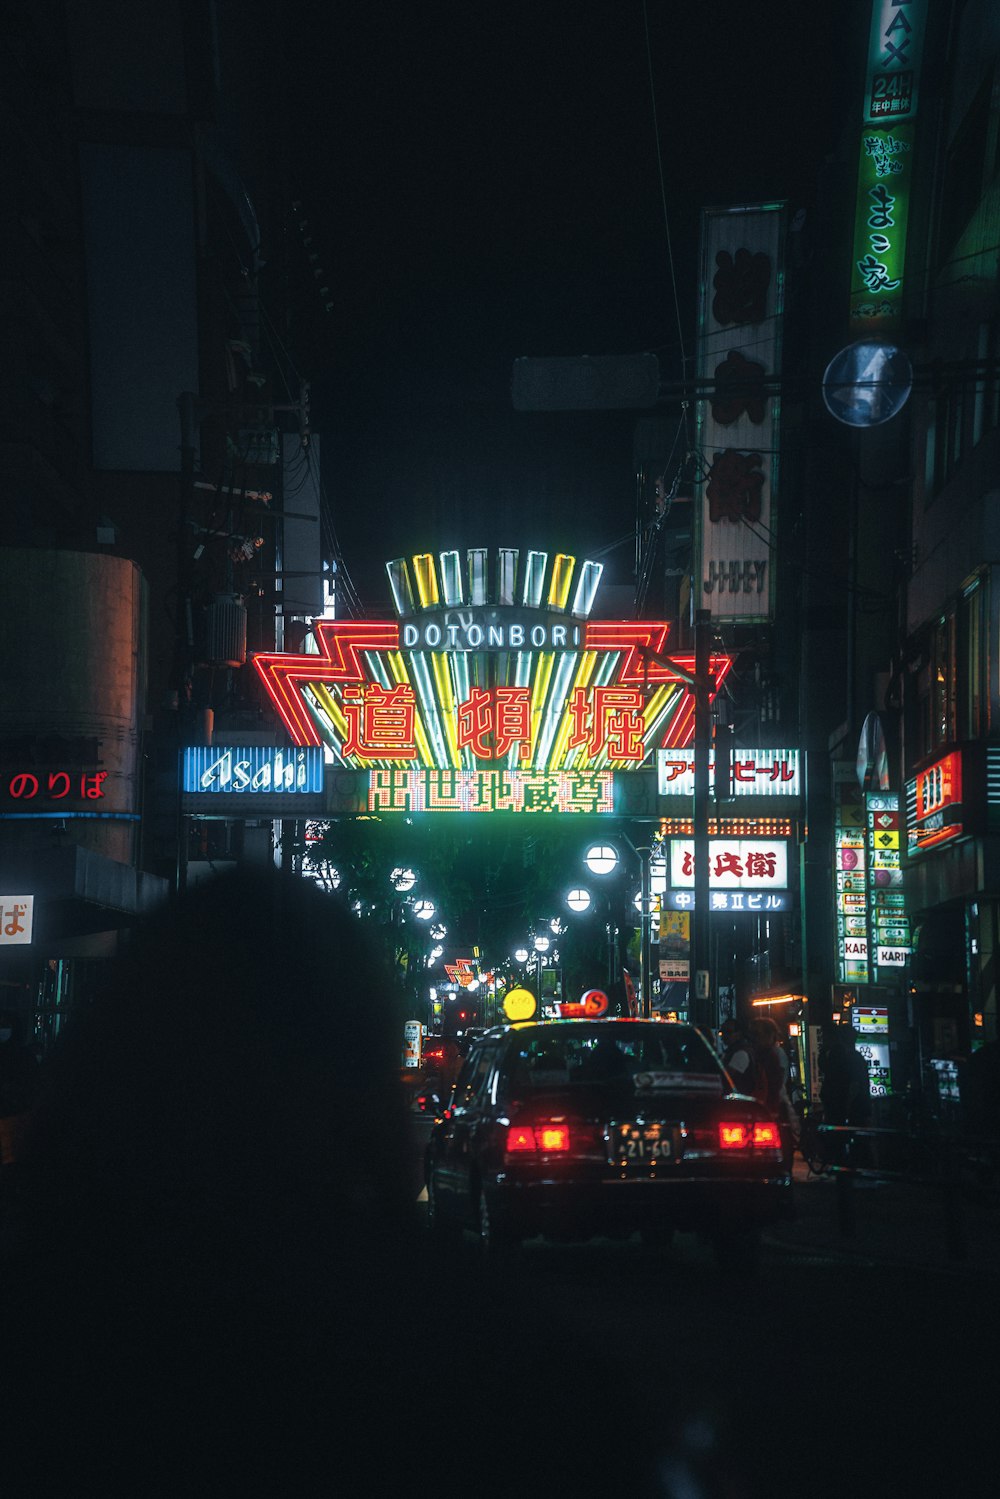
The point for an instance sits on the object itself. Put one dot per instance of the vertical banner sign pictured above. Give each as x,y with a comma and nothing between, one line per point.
889,928
886,165
850,875
739,359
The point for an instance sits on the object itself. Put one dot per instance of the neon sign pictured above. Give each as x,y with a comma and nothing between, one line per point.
885,168
758,772
734,864
490,791
251,771
935,809
523,682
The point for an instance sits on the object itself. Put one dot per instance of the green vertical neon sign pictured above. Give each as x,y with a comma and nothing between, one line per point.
885,167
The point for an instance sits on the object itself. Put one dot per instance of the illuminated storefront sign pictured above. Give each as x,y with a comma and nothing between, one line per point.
753,864
873,929
731,900
17,915
761,772
487,662
490,791
739,356
51,791
260,769
935,812
885,169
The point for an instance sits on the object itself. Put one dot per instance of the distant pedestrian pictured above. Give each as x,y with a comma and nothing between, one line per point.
773,1072
738,1056
19,1078
846,1090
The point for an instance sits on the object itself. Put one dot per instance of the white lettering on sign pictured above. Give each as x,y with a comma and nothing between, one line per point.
465,630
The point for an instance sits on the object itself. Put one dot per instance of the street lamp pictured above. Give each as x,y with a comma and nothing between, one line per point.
521,955
403,880
579,899
541,946
423,910
601,858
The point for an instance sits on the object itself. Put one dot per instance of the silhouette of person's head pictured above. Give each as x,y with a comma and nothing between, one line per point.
225,1078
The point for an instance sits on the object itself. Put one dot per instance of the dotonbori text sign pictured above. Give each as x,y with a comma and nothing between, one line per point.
761,772
885,170
739,355
492,690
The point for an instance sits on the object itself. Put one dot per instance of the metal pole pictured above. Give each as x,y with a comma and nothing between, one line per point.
644,899
701,1002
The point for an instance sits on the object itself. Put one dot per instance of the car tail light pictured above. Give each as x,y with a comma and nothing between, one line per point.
764,1134
537,1137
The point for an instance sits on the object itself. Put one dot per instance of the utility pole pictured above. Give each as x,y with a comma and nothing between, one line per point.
701,681
701,988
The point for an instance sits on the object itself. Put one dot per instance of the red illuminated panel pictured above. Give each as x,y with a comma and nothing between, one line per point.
939,802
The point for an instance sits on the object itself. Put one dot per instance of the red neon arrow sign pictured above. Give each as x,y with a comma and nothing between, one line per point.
340,642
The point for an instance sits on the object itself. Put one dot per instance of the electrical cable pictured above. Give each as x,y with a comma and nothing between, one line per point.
663,194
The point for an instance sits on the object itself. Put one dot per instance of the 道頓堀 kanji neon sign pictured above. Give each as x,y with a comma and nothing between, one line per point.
509,673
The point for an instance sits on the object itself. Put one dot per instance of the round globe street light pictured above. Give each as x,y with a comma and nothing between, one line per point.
423,910
521,955
403,879
439,932
579,899
542,944
601,858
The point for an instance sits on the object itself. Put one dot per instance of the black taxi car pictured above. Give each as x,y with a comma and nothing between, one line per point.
576,1128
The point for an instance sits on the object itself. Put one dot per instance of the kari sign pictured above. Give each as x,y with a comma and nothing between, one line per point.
492,664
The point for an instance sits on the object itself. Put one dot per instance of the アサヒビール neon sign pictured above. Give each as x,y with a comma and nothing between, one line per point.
523,680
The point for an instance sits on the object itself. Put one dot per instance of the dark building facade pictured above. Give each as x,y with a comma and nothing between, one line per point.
164,514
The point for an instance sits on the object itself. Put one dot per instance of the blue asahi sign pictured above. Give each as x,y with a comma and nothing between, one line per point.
258,769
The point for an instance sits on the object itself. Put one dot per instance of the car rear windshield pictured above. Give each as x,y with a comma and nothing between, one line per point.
556,1057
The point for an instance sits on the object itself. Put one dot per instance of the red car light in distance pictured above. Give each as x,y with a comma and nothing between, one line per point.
763,1135
537,1137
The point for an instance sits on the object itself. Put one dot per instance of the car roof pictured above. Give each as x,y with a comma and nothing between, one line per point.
602,1020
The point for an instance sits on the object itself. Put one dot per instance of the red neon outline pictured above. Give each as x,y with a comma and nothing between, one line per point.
340,641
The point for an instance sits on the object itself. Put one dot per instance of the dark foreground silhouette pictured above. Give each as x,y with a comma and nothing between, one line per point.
213,1276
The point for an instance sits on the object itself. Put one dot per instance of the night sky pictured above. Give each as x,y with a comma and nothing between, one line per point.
481,182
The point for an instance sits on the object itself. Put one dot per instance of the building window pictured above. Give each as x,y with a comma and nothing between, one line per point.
943,451
986,409
973,662
963,175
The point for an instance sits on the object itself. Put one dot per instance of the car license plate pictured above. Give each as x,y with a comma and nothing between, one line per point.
643,1142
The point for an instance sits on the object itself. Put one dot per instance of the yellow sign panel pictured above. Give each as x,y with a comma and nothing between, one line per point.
519,1004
